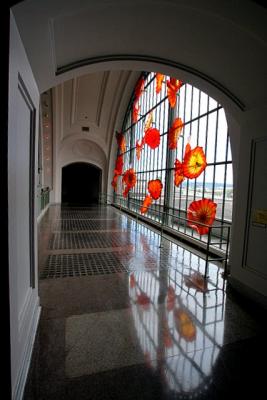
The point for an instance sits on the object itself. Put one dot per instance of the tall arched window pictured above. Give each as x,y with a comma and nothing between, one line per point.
203,127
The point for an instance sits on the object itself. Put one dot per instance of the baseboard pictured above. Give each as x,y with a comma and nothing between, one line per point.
248,293
24,369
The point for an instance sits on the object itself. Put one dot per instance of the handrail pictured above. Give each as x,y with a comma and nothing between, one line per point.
161,215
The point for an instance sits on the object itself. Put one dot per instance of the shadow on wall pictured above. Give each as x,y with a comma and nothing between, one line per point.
81,184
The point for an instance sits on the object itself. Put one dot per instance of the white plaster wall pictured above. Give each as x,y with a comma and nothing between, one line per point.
253,125
24,300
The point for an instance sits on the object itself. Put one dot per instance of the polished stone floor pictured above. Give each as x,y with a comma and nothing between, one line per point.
127,315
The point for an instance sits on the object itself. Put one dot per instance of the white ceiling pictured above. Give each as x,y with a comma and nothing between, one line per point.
223,43
87,107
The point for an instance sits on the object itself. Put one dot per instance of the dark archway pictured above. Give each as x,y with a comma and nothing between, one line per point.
81,184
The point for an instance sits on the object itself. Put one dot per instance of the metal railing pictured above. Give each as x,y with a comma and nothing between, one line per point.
211,252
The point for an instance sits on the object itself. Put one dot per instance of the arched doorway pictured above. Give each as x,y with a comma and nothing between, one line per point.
81,184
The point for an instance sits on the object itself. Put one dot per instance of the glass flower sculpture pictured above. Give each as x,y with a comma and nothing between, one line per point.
152,138
146,204
155,187
202,211
194,162
174,133
129,180
159,80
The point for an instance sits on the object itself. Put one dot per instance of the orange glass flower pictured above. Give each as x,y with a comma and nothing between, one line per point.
155,187
135,112
119,165
148,121
146,204
139,88
173,87
121,141
174,133
152,138
178,173
139,147
185,325
194,162
159,80
202,211
129,179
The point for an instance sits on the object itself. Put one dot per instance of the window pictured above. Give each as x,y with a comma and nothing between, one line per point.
204,125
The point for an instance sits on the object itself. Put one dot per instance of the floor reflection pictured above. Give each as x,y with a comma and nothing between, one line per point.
180,330
127,315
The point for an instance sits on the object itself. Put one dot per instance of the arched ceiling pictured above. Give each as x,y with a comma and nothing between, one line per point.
89,106
224,43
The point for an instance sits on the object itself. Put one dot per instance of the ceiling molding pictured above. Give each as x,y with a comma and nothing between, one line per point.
162,61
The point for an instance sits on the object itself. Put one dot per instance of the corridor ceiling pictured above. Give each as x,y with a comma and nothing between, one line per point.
223,43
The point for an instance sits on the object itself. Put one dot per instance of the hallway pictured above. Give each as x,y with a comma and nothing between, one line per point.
123,319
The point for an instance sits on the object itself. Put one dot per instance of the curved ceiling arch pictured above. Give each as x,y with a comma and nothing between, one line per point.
219,43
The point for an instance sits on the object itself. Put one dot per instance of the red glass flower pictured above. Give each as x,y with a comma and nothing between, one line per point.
119,165
202,211
173,87
146,204
194,162
114,182
174,133
135,112
155,187
129,180
152,138
121,141
185,325
139,88
159,80
178,173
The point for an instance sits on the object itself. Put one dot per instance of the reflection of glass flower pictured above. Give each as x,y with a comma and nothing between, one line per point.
174,133
121,141
129,179
119,165
202,211
139,88
152,138
171,298
178,173
135,112
196,281
185,325
159,80
155,187
167,339
143,300
132,281
173,87
194,162
139,147
146,203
